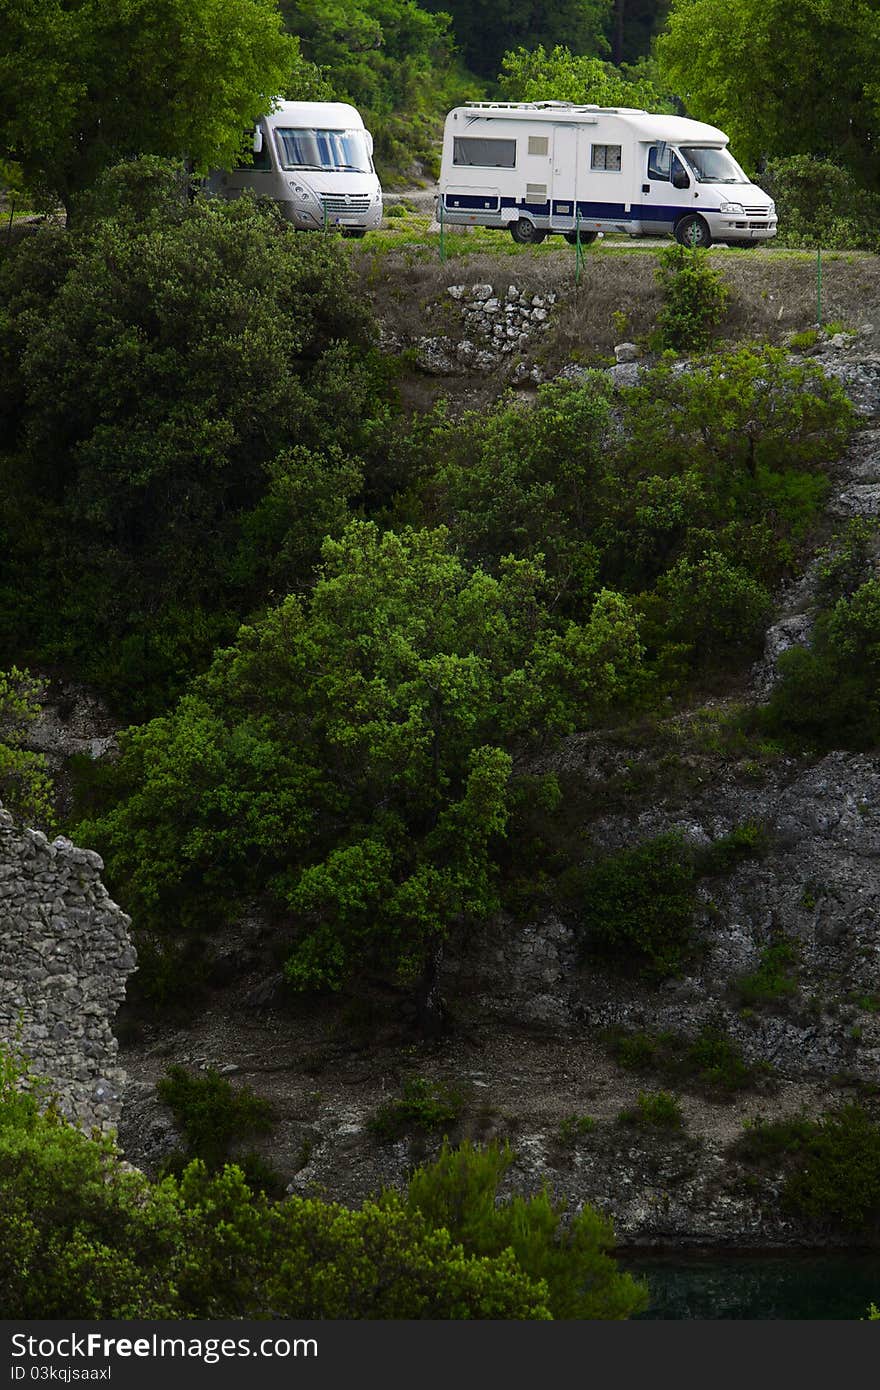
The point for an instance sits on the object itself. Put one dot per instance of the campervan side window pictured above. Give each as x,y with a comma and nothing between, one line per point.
662,163
484,154
606,157
659,162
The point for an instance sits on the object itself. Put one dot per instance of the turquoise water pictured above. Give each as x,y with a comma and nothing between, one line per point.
837,1286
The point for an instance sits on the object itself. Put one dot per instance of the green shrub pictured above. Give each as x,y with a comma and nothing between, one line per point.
574,1127
653,1110
211,1113
712,605
712,1061
831,1166
765,1143
847,564
722,856
459,1193
775,978
800,342
718,1064
821,203
694,299
639,904
83,1237
695,505
424,1107
827,695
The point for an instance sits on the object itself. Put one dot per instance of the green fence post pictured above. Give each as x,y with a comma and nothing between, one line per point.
578,249
442,227
325,217
819,286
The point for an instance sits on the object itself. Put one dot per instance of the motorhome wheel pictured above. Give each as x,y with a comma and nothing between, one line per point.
354,231
692,231
525,233
587,238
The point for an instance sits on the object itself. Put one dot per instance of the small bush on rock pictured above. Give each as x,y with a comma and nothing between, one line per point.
654,1110
213,1115
425,1106
695,298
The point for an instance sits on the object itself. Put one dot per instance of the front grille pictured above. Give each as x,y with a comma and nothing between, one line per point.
342,205
757,225
755,212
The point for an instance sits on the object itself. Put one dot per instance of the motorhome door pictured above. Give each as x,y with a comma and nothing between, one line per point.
565,173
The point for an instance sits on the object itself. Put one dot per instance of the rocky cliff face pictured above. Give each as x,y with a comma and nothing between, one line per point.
65,956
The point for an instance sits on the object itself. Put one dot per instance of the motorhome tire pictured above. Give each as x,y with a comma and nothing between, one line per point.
587,238
525,233
693,231
354,231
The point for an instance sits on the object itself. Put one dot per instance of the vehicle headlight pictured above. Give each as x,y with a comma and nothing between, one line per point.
732,209
771,211
301,193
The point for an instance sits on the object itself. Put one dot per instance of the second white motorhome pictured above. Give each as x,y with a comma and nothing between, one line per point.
315,160
553,167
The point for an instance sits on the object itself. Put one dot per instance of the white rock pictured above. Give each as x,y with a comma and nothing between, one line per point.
627,352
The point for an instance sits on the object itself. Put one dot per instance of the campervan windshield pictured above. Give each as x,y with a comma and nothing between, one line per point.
334,150
713,165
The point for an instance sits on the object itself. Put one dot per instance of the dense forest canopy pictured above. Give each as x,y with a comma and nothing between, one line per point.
781,78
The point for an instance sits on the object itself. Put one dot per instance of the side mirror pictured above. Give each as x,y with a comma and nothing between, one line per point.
369,142
680,179
258,140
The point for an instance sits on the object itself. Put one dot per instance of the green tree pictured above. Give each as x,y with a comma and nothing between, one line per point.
560,75
25,786
691,495
85,83
781,77
522,481
486,29
459,1192
352,752
633,26
392,59
175,379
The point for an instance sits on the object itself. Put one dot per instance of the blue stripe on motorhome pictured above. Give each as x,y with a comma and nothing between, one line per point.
663,212
468,200
596,212
539,209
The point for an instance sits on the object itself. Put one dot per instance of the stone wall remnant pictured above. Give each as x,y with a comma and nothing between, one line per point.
65,957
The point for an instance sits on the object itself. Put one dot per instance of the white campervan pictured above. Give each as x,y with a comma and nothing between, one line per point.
315,160
549,166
